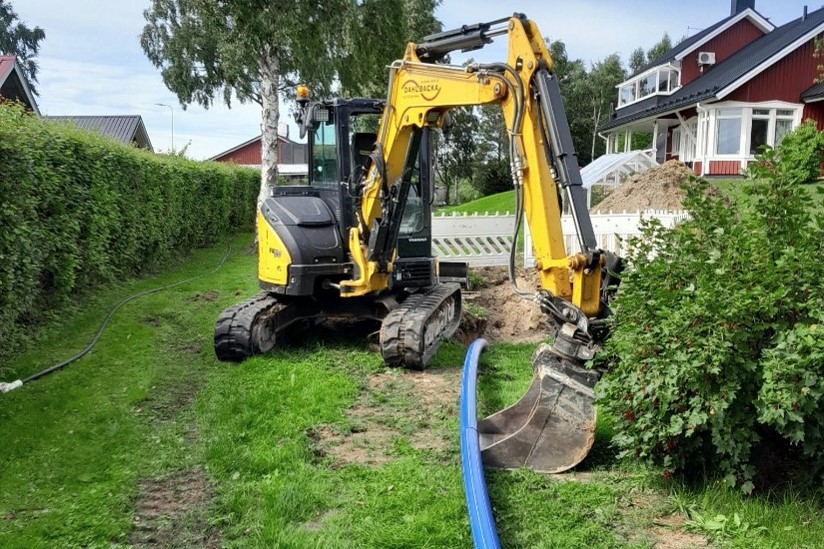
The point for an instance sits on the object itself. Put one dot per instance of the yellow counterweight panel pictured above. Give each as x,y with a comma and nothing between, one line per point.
273,257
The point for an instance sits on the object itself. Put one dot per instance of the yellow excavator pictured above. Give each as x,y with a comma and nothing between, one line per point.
356,240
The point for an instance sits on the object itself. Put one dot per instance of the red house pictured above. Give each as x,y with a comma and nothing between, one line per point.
13,84
292,159
714,99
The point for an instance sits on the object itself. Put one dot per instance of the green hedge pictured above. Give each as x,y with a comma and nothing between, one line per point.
78,210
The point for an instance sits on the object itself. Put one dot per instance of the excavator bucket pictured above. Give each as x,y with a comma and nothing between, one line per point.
552,427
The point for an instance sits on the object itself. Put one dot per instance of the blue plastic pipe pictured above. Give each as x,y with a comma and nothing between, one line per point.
481,521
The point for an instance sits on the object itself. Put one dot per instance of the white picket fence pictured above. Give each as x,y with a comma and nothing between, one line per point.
480,240
484,240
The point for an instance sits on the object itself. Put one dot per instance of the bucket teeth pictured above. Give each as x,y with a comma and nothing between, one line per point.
552,427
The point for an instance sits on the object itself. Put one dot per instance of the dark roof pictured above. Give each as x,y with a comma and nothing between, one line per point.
723,74
813,93
13,84
126,129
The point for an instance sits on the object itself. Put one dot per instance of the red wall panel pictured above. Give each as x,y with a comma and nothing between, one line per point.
815,111
725,167
783,81
696,167
724,45
250,154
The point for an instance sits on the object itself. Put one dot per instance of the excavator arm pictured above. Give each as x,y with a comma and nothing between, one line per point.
543,159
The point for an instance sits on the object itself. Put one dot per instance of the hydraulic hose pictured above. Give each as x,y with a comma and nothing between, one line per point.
481,521
515,167
7,387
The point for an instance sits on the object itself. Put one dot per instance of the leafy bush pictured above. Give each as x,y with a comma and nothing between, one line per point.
796,160
78,210
718,340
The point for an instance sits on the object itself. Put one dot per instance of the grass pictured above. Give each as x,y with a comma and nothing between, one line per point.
501,202
151,403
738,191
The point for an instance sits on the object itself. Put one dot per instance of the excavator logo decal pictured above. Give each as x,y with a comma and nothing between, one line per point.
428,90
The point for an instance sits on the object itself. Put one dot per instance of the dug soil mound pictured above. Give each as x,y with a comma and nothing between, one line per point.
653,189
498,314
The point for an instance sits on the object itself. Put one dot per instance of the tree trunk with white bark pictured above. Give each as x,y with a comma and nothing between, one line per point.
269,77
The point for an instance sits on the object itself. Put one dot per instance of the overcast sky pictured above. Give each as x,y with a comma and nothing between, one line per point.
91,62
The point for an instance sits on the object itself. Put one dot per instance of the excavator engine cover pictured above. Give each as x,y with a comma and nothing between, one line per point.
310,233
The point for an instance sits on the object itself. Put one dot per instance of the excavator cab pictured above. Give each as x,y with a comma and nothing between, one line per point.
341,136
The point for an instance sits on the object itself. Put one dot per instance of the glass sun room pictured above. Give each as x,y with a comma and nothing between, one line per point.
661,80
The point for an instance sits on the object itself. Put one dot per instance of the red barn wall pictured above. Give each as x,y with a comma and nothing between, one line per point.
784,81
724,45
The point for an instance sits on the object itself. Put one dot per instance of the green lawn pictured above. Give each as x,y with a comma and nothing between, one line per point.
501,202
150,440
738,190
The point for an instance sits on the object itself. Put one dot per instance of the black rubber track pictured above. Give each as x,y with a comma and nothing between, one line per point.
234,337
404,331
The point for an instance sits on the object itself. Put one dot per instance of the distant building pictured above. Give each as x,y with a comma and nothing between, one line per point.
293,163
13,85
717,97
129,129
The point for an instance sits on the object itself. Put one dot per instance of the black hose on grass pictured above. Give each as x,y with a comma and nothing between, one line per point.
6,387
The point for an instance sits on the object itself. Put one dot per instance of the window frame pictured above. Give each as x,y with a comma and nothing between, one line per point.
749,111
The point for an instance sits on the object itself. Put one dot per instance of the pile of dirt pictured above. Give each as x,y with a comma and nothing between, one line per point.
505,316
653,189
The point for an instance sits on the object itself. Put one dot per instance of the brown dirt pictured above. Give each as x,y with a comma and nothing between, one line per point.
506,317
663,528
171,512
394,404
668,533
167,400
211,295
653,189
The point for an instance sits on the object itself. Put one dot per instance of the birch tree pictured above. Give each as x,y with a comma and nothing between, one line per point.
259,50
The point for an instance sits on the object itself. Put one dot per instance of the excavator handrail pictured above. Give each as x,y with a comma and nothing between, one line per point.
481,521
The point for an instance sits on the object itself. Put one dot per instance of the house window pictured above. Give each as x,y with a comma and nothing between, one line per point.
646,86
675,142
627,94
660,80
728,129
759,130
784,119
